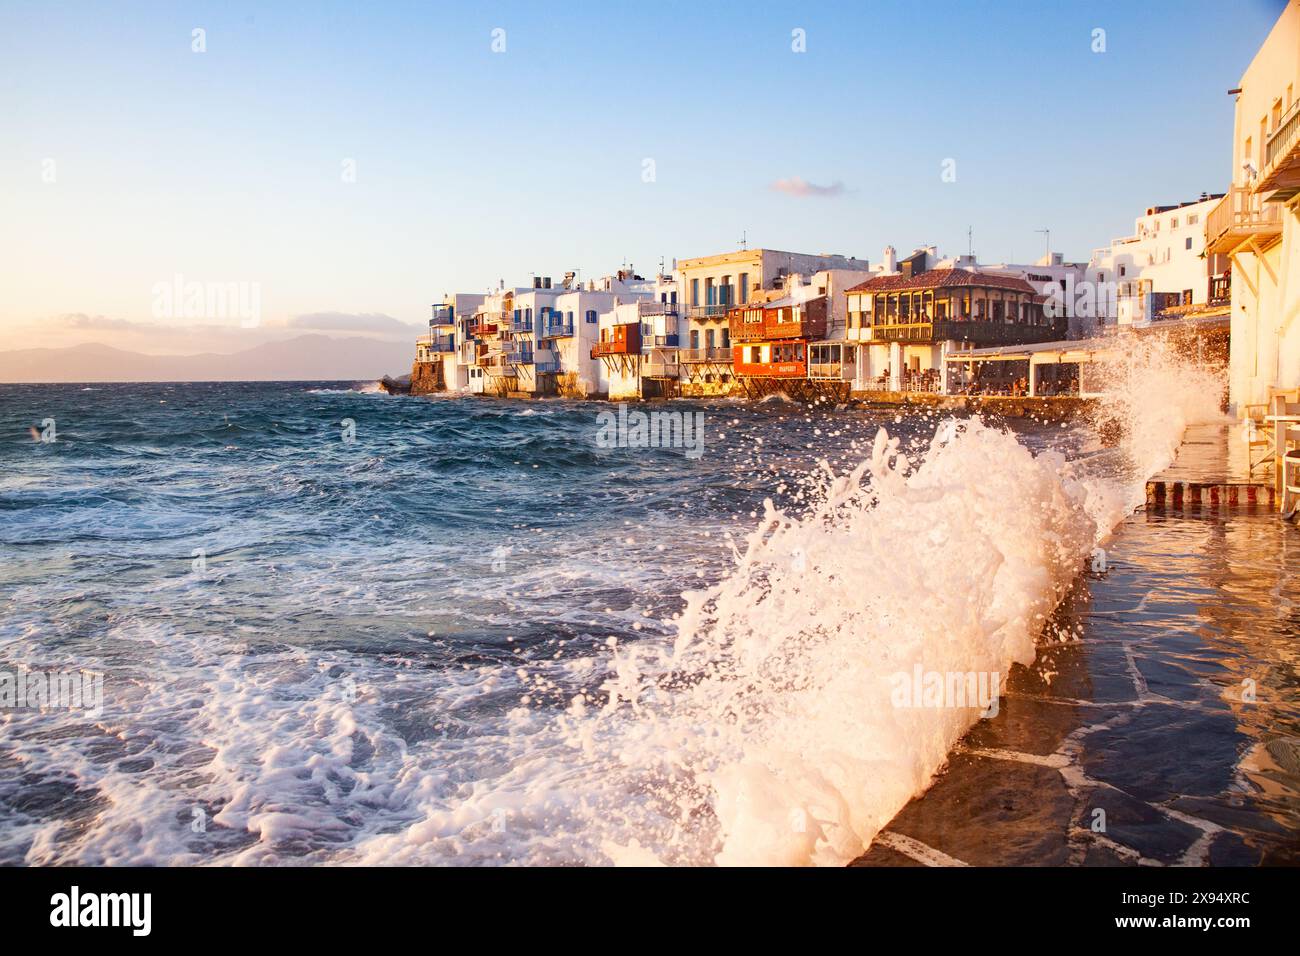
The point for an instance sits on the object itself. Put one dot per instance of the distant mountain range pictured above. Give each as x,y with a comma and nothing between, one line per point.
307,358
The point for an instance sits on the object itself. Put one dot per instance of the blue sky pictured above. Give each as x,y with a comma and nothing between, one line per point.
473,166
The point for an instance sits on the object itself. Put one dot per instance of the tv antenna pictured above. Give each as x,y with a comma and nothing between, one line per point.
1047,233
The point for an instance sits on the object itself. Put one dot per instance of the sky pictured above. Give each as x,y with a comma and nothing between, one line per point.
342,166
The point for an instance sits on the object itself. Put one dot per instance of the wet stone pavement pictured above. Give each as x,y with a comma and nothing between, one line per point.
1166,733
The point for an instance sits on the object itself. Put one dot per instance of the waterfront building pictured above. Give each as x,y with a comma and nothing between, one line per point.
1061,284
638,344
522,345
564,363
713,285
1162,272
793,339
907,323
1257,223
438,366
486,339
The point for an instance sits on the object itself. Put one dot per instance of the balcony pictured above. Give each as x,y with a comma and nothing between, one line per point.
657,308
482,328
757,324
435,343
662,341
660,365
1241,217
622,340
976,332
518,357
714,354
1220,289
708,311
443,315
547,367
1280,177
557,330
521,324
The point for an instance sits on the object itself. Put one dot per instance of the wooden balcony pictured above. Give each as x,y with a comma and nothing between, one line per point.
621,340
708,311
976,332
1240,217
805,321
1280,177
717,353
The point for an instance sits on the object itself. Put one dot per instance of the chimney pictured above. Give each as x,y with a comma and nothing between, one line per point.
537,282
546,282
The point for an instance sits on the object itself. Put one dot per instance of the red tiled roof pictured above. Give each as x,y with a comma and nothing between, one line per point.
943,279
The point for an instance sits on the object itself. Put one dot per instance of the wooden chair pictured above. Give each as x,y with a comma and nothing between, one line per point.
1259,431
1285,436
1290,482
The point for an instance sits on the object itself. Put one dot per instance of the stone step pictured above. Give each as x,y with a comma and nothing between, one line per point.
1198,494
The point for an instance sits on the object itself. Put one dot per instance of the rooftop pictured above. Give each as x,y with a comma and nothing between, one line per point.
944,279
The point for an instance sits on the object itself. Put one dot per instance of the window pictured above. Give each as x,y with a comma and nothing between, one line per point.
1173,223
1123,270
570,318
591,316
708,338
695,292
518,314
1188,243
726,338
756,354
744,287
695,338
1193,219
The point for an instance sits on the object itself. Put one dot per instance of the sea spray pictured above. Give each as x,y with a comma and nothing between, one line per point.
775,701
771,715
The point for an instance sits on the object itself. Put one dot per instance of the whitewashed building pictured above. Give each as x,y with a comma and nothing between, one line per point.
638,347
1163,265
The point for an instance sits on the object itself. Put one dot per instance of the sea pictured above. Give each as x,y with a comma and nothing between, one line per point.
314,623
